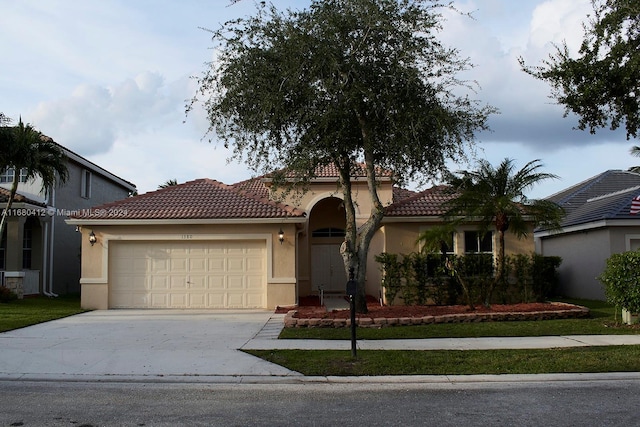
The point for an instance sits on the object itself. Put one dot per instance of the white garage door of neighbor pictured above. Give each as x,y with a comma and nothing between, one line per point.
194,274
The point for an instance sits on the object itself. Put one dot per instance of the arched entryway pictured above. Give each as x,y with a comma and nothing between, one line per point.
326,232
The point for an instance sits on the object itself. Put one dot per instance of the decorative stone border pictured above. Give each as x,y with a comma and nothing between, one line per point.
367,322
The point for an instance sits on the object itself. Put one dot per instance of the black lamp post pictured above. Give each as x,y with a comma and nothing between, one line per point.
352,287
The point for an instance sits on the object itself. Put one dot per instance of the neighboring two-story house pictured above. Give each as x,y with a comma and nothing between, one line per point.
37,245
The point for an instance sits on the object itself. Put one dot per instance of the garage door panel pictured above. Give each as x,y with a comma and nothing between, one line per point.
178,300
211,274
178,282
235,265
197,265
216,265
179,265
156,265
236,301
216,283
254,283
197,282
158,300
159,283
255,265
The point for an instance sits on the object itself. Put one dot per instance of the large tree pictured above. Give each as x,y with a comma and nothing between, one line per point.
347,83
602,83
22,148
496,199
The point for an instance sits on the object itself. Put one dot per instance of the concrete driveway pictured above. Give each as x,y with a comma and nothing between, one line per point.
112,345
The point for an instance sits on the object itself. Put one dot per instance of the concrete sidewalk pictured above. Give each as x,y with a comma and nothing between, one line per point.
268,341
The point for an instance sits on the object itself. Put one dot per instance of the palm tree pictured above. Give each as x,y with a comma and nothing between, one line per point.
24,148
635,151
168,183
496,198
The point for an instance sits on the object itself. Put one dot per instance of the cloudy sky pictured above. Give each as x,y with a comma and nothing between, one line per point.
109,79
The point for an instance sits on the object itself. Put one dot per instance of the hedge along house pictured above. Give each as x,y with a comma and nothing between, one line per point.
204,244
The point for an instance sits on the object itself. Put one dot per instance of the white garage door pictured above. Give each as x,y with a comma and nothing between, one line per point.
207,274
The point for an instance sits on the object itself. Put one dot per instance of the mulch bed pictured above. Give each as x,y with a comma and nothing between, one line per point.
377,311
310,310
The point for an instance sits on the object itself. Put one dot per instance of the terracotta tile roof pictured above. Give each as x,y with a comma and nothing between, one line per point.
331,171
429,202
399,194
199,199
19,198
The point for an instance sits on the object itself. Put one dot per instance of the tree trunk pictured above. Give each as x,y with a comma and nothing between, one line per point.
358,240
12,194
499,277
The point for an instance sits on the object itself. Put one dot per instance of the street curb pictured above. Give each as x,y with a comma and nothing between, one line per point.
452,380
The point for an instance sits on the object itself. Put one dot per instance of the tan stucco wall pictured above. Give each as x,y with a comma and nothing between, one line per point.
281,275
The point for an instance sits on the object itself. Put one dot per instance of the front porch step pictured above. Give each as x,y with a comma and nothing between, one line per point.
336,302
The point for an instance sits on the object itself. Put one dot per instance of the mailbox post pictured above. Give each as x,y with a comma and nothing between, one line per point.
352,287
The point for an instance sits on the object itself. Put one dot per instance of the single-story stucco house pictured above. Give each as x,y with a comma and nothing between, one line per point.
598,224
205,244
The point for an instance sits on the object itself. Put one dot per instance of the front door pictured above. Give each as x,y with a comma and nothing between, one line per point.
327,268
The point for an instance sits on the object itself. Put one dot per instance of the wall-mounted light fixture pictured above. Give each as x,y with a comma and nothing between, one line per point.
92,238
77,228
281,236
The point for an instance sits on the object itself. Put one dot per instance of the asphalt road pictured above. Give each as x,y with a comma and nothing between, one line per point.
557,403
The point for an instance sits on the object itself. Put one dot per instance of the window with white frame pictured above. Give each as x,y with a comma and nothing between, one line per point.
476,242
7,176
448,246
85,189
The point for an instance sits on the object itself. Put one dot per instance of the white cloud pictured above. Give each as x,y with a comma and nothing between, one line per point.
90,120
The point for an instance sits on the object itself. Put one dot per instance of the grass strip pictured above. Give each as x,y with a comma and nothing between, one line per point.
602,322
456,362
31,311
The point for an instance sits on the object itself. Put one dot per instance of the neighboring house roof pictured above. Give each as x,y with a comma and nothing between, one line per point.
97,169
605,196
199,199
429,202
92,166
18,198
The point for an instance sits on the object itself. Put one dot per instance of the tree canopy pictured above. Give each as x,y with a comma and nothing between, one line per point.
343,82
602,84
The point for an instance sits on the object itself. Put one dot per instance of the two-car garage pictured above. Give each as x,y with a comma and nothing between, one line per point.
187,274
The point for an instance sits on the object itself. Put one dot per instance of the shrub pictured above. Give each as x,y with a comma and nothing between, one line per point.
391,275
7,295
545,277
621,280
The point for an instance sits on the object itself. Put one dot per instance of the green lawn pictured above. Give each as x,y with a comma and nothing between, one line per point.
456,362
30,311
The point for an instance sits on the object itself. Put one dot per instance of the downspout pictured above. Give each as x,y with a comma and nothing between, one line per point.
45,251
53,223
